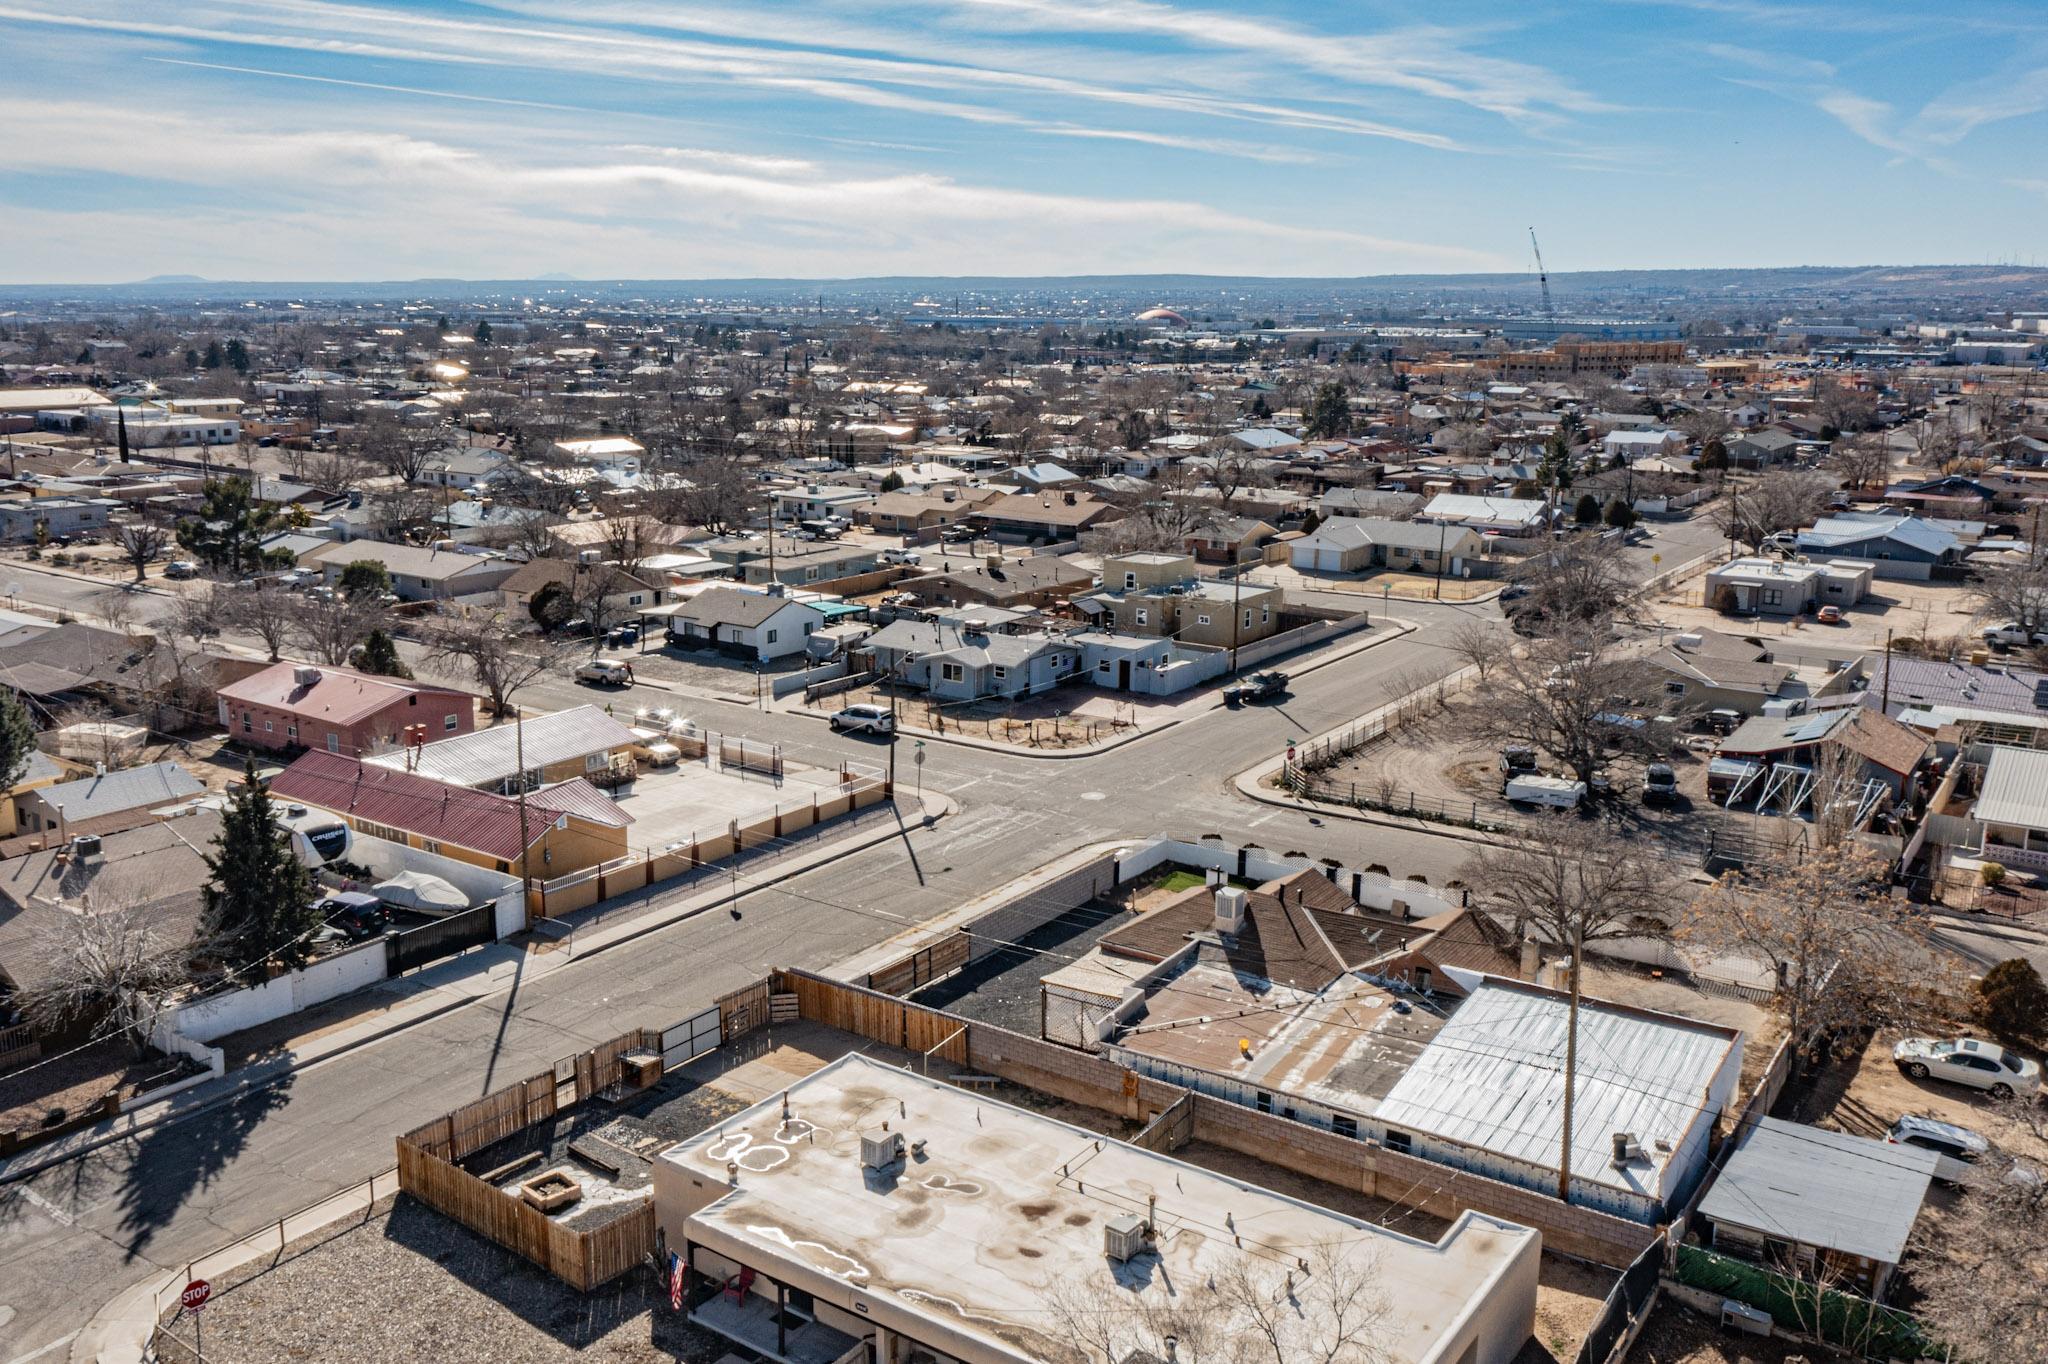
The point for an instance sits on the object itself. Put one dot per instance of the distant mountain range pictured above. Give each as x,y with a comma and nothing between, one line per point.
1647,288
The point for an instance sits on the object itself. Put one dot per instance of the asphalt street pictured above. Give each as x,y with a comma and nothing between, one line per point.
73,1235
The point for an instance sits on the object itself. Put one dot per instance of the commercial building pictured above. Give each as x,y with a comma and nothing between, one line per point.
869,1212
1778,587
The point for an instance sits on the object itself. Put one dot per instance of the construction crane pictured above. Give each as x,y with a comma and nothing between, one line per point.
1543,278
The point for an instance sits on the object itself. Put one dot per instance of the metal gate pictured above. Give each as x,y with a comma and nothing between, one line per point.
442,938
691,1038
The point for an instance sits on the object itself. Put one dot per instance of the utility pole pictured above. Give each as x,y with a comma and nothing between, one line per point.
1571,1074
525,842
1441,528
1236,612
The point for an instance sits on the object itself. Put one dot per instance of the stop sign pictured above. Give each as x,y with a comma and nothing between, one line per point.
195,1295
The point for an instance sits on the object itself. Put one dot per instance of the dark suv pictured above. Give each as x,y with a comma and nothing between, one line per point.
358,915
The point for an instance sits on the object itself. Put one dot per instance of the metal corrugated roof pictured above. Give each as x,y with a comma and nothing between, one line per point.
2015,788
1494,1078
1825,1189
488,756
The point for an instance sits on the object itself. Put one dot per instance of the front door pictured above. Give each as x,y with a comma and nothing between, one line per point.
1123,674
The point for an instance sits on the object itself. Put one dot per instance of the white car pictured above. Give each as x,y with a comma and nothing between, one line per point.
865,719
609,672
1969,1061
901,556
1955,1148
181,568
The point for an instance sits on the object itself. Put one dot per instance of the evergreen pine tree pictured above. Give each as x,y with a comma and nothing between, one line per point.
260,902
377,654
215,357
238,356
483,333
17,738
1588,509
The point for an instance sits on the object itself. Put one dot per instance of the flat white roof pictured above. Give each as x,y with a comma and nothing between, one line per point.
1003,1213
1493,1077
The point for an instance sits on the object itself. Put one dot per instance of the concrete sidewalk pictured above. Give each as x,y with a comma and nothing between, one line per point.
464,980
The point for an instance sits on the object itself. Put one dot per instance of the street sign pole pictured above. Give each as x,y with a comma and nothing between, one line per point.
917,757
192,1299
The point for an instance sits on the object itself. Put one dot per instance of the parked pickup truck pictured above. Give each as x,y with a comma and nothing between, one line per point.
1258,687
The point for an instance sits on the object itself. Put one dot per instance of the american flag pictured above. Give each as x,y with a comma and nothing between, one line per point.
675,1281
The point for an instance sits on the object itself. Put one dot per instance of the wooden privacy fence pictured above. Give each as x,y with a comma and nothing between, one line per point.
428,1170
878,1017
922,967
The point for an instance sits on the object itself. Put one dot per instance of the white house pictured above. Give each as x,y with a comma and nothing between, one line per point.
761,626
615,453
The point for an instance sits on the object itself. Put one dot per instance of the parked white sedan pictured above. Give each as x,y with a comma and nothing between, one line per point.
1968,1061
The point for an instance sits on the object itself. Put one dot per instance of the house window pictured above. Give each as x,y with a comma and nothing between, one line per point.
952,672
1422,977
633,600
1773,596
291,732
1002,673
451,722
596,762
1344,1125
268,727
1247,618
333,742
1399,1141
771,636
429,845
1102,665
1142,616
1130,581
1674,688
1265,1102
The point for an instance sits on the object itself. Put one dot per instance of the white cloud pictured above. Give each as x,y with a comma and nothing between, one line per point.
370,203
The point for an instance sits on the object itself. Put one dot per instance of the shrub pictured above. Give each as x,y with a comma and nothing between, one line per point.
1992,874
2011,999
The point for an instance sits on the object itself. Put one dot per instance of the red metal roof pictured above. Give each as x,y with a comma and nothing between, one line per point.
477,820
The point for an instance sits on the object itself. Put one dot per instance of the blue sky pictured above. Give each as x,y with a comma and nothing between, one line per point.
360,139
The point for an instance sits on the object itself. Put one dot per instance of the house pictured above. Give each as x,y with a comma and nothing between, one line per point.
906,513
793,563
1705,670
2012,808
816,501
1264,440
614,454
970,661
1780,587
157,871
1368,503
555,746
417,573
41,771
120,792
1500,515
1630,446
1761,449
1159,596
1905,547
1485,1093
1045,516
766,1252
1349,544
1789,754
472,466
1037,580
1222,538
295,705
54,516
761,626
556,830
1824,1206
624,594
1038,477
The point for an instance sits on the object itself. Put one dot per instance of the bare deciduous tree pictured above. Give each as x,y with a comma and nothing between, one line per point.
2016,593
267,612
328,631
1845,953
1571,696
500,660
1861,461
1783,499
1986,1292
106,963
142,541
1572,585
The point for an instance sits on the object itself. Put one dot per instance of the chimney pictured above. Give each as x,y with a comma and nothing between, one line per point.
1230,907
995,561
1532,960
1072,500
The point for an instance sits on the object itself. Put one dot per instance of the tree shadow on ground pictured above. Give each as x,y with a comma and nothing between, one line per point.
175,1160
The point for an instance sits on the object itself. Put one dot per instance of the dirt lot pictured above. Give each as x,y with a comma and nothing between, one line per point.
1679,1335
63,1086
